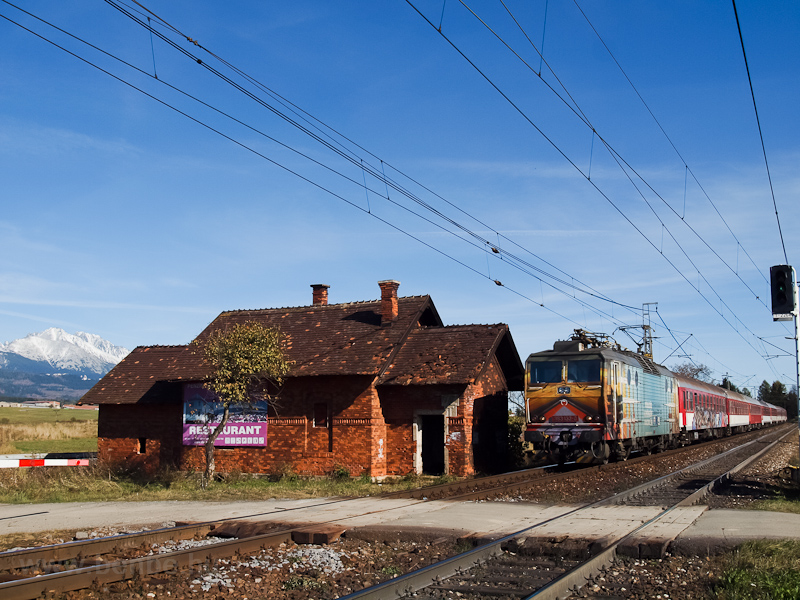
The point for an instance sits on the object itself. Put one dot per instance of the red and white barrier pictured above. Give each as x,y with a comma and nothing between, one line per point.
11,463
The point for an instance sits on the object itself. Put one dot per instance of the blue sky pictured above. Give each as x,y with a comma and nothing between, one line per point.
125,218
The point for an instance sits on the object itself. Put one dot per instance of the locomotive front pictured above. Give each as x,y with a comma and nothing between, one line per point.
564,401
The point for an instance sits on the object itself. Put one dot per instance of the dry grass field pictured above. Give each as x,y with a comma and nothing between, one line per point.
25,430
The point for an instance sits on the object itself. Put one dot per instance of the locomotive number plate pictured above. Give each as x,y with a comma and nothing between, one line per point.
564,419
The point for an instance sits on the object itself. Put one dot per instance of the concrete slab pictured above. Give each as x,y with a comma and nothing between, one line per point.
595,528
718,530
585,533
653,540
488,517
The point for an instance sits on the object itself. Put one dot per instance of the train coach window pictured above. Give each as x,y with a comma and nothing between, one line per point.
545,371
579,371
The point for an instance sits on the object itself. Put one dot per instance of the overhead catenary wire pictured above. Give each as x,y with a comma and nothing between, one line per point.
279,165
760,133
689,170
383,179
373,171
220,133
575,108
321,127
516,107
735,271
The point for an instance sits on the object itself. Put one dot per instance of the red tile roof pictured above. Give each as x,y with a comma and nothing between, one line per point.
135,378
454,354
332,339
337,339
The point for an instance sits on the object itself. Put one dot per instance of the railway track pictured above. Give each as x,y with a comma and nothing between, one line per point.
497,569
509,483
76,565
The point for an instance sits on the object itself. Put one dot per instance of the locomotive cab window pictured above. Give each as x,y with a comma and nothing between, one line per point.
583,371
545,371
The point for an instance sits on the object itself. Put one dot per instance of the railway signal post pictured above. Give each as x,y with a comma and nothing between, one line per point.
783,284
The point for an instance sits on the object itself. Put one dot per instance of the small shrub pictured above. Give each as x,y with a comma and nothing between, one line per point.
339,472
442,479
283,472
297,582
516,447
412,478
390,570
234,476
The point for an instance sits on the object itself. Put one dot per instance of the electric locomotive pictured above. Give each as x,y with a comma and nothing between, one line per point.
589,396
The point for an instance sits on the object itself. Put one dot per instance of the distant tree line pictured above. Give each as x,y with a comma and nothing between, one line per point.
778,395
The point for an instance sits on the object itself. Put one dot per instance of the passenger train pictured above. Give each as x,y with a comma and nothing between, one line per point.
589,396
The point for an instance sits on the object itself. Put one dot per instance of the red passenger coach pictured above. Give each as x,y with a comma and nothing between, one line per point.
706,410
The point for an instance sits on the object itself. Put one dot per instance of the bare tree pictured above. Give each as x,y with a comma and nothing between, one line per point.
693,370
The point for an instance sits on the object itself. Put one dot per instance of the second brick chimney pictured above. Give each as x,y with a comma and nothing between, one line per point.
319,294
389,308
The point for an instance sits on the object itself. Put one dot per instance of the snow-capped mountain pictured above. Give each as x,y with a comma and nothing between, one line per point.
54,351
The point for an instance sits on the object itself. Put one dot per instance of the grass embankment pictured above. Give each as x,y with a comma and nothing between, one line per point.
99,483
42,430
759,570
786,495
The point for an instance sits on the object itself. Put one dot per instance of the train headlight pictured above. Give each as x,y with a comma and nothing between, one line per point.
588,418
541,418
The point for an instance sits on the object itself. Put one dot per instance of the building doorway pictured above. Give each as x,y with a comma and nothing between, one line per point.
431,444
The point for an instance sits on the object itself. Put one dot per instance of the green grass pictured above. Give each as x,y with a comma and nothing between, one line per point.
763,570
99,483
27,416
82,444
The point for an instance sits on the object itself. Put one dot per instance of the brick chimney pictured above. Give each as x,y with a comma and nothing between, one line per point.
389,307
319,294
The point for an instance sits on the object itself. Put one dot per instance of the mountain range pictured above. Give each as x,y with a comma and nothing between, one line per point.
55,365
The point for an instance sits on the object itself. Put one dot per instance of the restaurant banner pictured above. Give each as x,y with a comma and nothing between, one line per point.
202,412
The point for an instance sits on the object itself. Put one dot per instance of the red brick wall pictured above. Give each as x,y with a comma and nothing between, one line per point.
400,403
366,433
355,436
121,427
476,437
295,443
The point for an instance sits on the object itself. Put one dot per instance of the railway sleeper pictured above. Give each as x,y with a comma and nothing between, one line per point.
561,548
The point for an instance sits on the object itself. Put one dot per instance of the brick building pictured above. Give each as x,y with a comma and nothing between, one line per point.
379,387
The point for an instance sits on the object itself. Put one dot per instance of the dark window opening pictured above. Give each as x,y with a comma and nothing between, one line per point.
141,447
321,415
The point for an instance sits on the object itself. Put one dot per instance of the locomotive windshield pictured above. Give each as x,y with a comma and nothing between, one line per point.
583,371
545,371
552,371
